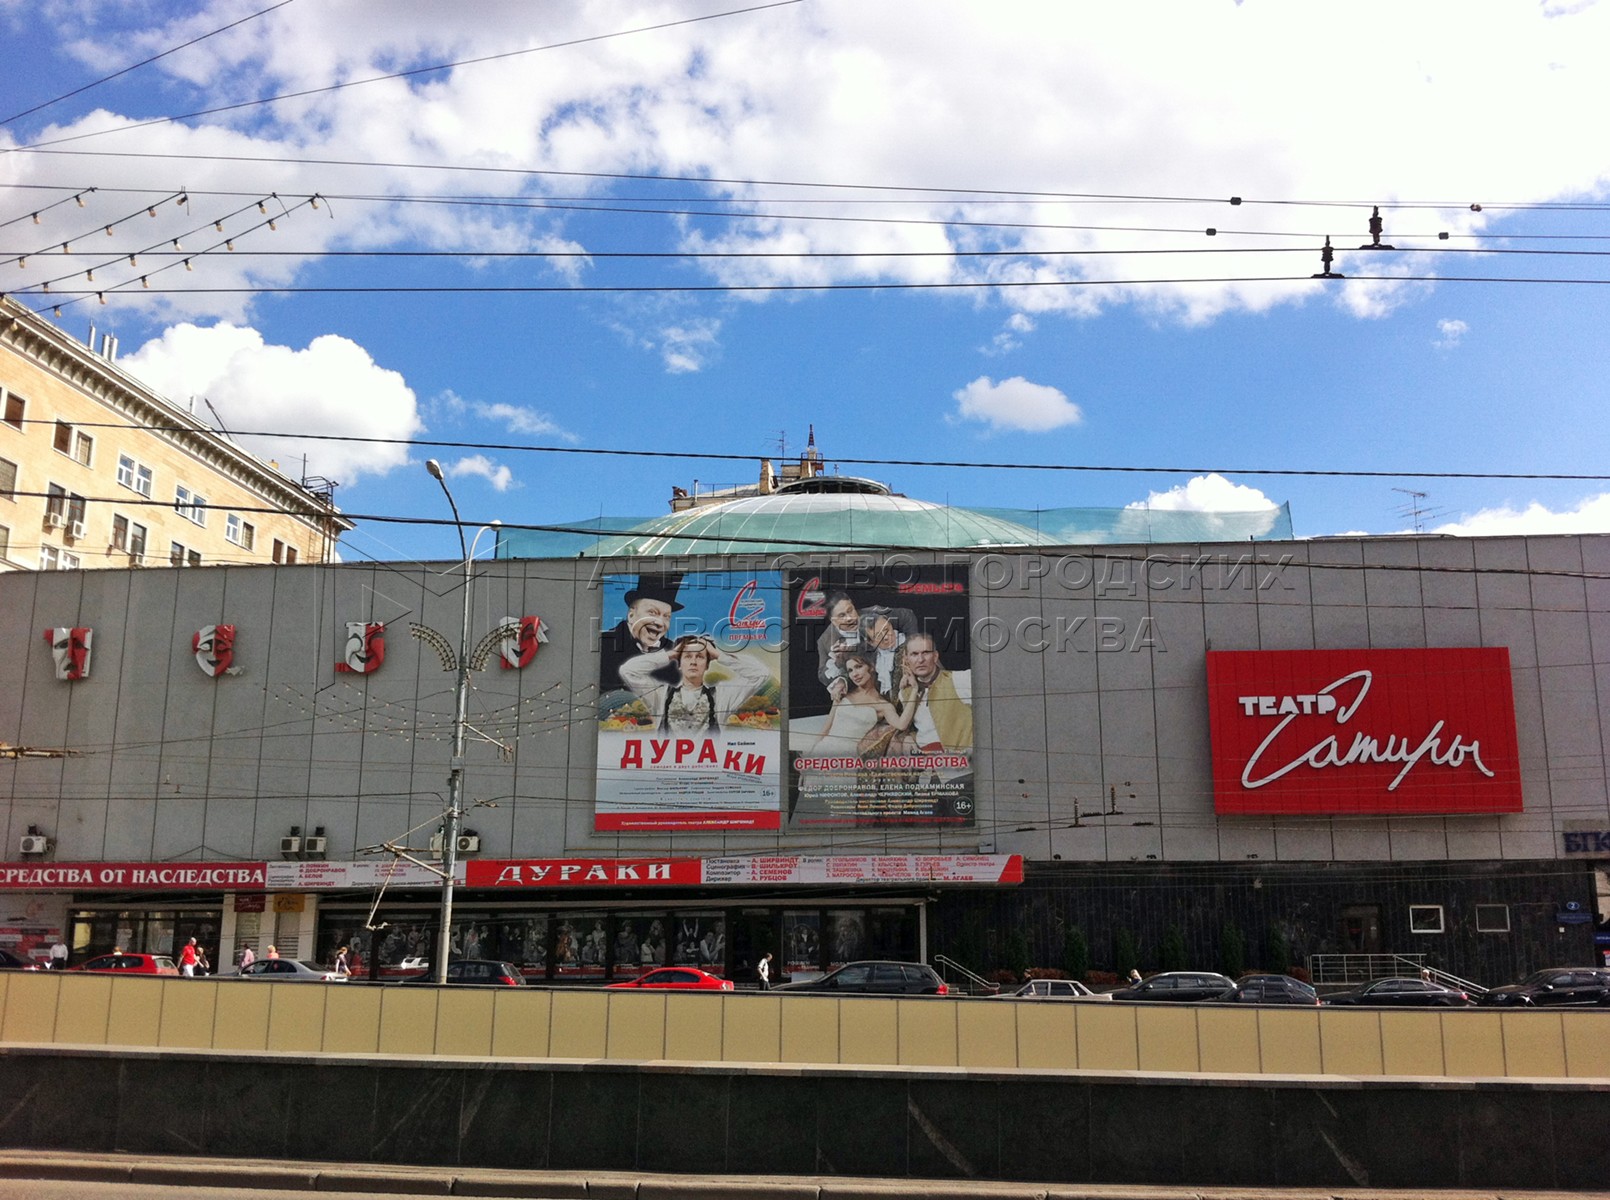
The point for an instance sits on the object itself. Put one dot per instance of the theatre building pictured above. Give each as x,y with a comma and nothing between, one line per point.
1007,738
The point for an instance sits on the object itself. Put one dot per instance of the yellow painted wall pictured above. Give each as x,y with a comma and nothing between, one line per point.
229,1015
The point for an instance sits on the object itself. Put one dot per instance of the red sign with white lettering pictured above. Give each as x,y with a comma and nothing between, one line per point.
1363,731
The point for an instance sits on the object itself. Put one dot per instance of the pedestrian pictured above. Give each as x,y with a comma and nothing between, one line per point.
58,955
188,957
273,952
202,963
245,958
1134,976
764,971
343,964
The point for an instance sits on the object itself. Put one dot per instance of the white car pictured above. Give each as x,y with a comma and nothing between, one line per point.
1053,989
288,970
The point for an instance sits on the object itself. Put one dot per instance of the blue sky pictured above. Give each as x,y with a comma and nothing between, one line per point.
947,128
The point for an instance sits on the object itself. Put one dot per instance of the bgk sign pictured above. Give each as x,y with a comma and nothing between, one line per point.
1363,731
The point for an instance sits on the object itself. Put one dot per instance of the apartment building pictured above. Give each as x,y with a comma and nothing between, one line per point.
97,470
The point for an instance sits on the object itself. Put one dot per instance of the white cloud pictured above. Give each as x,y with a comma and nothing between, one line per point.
1450,334
1592,515
867,94
497,474
1009,339
521,420
332,387
689,346
1015,404
1207,493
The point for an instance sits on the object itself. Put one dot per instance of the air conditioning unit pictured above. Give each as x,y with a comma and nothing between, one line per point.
313,847
77,531
34,843
290,846
469,843
436,843
55,520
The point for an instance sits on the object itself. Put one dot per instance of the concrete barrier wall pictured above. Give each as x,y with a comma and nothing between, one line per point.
931,1123
423,1022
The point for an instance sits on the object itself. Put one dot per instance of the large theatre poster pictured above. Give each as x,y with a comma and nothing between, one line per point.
689,727
880,698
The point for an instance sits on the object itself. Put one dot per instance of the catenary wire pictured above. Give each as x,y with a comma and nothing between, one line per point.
144,62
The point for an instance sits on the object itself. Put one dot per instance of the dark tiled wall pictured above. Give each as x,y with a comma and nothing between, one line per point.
1305,902
937,1125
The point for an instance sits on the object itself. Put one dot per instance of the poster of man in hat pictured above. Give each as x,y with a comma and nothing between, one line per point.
649,602
689,726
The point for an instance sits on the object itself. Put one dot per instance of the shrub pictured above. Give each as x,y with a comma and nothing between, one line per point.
1232,951
1017,952
1101,979
1278,951
1044,973
1299,973
1075,952
1125,951
1002,977
1173,952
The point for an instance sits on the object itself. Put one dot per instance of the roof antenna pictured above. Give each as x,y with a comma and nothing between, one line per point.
1376,225
1326,257
217,417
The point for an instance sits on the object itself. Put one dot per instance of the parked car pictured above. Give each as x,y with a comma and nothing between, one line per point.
876,978
1400,993
128,964
1554,986
16,962
1052,989
475,972
679,979
288,970
1270,989
1177,986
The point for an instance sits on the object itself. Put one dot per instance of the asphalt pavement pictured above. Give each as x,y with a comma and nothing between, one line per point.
70,1175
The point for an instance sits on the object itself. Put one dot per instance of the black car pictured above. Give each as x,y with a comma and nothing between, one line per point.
1400,993
875,979
15,962
1555,986
476,972
1270,989
1177,986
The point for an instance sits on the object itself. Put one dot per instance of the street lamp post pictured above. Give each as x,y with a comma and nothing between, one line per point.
455,772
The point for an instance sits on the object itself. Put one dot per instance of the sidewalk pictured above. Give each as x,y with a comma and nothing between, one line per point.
604,1185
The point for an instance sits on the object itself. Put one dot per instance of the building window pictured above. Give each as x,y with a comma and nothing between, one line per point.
16,406
133,475
1425,918
241,533
55,504
1492,918
49,558
128,535
284,552
75,511
190,505
8,479
182,556
74,443
5,543
69,562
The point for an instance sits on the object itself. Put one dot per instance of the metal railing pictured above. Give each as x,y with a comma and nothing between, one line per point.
1361,968
976,984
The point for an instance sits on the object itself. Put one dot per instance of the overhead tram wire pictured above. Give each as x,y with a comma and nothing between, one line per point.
144,62
752,458
761,288
904,190
406,74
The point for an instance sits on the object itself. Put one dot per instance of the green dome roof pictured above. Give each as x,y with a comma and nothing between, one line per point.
792,520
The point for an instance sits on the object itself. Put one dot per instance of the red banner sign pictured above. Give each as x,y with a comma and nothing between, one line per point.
774,869
1363,731
132,876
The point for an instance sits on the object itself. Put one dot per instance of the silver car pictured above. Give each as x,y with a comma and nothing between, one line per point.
288,970
1053,989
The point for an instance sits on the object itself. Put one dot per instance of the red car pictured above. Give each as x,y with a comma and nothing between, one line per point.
129,964
681,979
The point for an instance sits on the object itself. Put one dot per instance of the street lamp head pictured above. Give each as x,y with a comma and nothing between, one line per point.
495,523
435,469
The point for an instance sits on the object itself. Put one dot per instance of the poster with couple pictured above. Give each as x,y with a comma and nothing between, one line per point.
880,699
689,709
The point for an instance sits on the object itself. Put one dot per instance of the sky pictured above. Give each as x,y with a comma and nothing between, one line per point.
940,233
